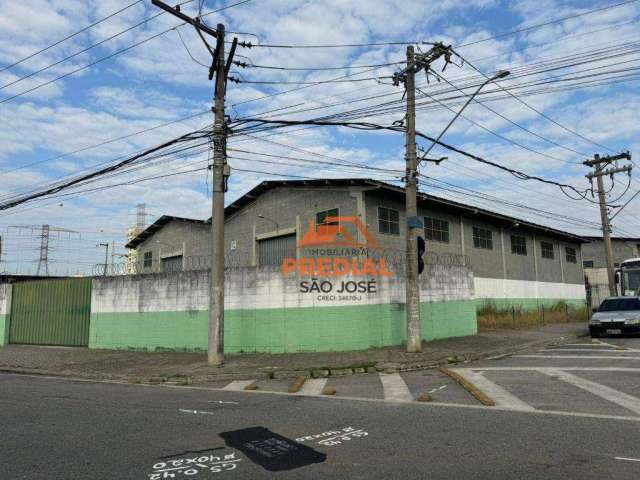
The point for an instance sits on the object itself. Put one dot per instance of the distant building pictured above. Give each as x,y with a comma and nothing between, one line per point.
170,243
595,263
515,262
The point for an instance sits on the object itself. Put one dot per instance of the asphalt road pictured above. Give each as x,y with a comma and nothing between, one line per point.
62,429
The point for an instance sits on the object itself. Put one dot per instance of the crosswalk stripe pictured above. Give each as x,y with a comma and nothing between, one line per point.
313,386
394,388
583,357
614,396
579,369
238,385
581,350
499,395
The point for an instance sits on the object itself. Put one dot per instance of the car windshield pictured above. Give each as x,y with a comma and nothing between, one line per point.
619,304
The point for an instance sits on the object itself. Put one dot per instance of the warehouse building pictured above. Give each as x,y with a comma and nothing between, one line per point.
514,262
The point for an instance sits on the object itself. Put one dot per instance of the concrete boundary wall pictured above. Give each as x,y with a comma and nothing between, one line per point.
527,295
5,310
266,312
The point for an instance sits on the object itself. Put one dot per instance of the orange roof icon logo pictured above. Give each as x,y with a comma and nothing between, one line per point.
333,232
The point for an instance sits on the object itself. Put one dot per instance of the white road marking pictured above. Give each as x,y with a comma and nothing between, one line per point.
628,349
394,387
583,357
628,459
222,402
313,386
614,396
238,385
581,350
437,389
196,412
463,406
579,369
499,395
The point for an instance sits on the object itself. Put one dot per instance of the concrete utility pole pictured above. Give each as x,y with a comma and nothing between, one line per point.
599,164
221,171
414,338
215,353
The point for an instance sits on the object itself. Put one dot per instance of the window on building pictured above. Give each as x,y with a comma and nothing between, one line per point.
518,245
482,238
321,216
572,256
148,259
587,264
547,250
388,221
436,230
171,264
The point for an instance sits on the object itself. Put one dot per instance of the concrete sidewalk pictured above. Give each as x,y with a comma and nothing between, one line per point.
187,368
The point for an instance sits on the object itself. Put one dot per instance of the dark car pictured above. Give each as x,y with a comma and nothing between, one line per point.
615,316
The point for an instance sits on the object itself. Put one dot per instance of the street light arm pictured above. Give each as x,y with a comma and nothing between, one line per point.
497,76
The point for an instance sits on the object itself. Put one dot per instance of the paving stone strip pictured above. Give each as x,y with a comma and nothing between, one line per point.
184,368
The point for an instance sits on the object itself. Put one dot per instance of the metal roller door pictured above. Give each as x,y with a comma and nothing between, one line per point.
271,251
51,312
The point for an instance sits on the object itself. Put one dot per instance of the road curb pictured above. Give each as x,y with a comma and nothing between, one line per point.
314,372
469,387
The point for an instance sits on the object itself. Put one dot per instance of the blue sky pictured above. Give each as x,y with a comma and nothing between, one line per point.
157,82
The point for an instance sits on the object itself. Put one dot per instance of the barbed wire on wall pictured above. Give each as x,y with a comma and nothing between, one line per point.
395,261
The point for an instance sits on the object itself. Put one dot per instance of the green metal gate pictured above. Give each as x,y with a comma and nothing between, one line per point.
51,312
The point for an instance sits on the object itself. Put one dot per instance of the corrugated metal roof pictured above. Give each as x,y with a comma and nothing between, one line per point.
157,225
262,187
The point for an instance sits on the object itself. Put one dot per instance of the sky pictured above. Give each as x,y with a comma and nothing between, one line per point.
572,93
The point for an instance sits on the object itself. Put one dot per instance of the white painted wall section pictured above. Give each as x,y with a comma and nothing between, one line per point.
516,289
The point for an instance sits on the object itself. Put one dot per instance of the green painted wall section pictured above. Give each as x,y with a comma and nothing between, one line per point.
281,330
4,330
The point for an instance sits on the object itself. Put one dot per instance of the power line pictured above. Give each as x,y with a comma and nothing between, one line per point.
118,52
544,24
372,126
303,82
345,67
343,45
106,142
542,114
68,37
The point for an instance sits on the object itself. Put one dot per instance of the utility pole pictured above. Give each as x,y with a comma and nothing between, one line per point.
106,257
415,64
113,257
221,171
414,338
215,353
600,170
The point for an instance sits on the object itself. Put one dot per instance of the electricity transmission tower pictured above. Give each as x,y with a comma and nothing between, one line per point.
43,262
600,165
221,171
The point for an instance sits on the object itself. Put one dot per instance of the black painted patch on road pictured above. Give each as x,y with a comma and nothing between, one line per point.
271,451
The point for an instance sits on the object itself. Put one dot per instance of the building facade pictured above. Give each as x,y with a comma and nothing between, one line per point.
170,244
514,262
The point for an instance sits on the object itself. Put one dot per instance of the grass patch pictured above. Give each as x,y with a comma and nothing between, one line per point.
493,316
